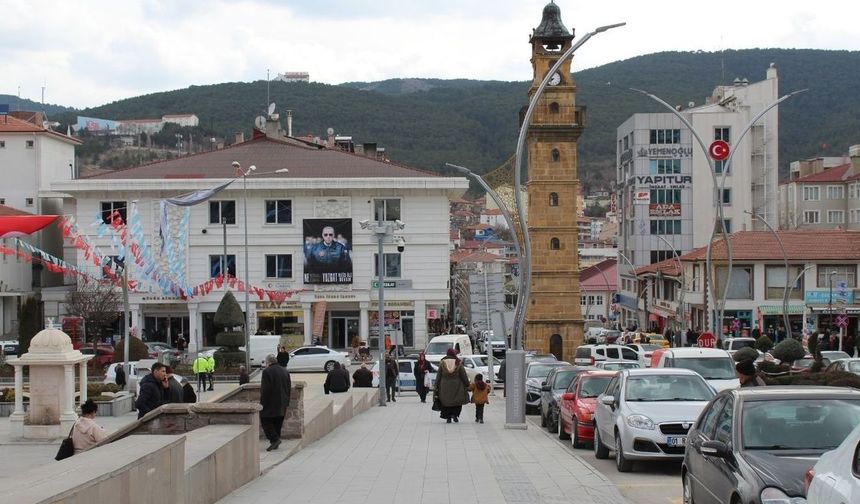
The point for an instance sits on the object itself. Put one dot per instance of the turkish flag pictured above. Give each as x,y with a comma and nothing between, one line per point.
22,225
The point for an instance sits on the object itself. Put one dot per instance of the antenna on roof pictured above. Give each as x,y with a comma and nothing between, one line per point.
267,90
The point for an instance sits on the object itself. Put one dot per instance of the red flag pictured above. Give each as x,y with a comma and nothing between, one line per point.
22,225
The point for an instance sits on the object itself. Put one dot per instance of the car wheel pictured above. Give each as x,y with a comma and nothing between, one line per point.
561,434
600,451
621,463
328,366
542,418
688,488
574,437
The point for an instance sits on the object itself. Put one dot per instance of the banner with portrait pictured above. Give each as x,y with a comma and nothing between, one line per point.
328,251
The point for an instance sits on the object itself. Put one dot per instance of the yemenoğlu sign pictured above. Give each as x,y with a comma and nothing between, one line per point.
671,152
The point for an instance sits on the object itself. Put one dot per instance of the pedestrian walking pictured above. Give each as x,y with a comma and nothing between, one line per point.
275,389
174,388
153,390
283,356
188,395
211,361
356,344
480,396
451,387
244,377
388,344
422,373
200,367
362,377
119,369
337,380
87,433
390,378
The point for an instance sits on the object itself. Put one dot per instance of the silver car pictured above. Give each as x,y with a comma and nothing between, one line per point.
645,414
536,373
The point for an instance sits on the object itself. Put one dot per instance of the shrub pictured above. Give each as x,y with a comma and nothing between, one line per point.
97,389
773,368
832,379
30,317
812,344
7,395
225,359
229,314
763,343
232,339
137,350
788,350
746,353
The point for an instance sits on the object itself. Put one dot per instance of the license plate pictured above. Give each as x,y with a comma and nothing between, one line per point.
676,441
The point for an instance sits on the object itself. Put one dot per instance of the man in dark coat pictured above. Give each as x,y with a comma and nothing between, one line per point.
120,375
188,395
153,390
244,377
337,380
362,378
275,388
174,388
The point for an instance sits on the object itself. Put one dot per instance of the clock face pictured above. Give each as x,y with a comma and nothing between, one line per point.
555,80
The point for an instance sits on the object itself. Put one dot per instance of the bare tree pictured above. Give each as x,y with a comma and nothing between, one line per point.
98,303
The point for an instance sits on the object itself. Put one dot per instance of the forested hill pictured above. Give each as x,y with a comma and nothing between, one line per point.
427,122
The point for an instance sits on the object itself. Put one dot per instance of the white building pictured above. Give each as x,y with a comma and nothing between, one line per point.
666,185
321,184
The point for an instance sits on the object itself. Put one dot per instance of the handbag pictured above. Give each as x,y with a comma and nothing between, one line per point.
428,383
67,447
437,406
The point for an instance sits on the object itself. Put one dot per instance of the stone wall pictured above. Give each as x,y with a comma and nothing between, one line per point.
294,419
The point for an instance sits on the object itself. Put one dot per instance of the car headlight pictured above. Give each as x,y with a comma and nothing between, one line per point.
534,388
771,495
640,422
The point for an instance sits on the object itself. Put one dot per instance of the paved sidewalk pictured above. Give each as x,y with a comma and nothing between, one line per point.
406,453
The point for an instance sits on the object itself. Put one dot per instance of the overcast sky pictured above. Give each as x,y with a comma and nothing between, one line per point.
91,52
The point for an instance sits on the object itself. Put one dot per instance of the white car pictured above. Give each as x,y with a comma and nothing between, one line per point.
316,358
588,355
834,478
137,370
716,366
617,365
645,350
479,364
406,374
732,345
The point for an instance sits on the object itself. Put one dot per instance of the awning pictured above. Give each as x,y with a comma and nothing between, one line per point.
23,225
851,310
777,309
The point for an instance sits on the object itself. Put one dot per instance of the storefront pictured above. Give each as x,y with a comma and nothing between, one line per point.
737,323
282,319
164,322
770,318
399,323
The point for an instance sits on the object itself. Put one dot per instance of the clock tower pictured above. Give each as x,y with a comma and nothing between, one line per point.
553,318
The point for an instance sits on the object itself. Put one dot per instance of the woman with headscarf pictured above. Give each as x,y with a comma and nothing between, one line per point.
422,367
451,386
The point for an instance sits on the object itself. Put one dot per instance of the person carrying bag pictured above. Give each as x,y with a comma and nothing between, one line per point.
67,447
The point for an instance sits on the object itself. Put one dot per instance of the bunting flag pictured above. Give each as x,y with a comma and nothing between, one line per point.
12,226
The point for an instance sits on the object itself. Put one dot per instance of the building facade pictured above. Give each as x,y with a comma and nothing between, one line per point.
553,317
326,191
822,194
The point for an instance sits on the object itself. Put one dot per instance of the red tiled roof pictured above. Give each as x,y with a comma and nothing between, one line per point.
668,267
463,213
302,161
819,245
593,276
476,227
454,234
482,257
491,211
471,244
7,211
9,124
835,174
459,254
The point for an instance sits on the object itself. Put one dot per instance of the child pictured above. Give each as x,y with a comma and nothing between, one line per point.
480,391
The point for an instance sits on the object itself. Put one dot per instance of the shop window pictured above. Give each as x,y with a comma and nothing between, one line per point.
225,209
553,199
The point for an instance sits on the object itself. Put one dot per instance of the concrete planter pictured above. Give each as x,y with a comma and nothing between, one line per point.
119,406
6,408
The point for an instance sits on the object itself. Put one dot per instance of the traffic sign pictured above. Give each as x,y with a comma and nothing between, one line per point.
719,150
842,321
707,340
736,325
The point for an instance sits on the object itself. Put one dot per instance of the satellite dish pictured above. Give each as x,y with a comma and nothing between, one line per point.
330,131
271,108
260,122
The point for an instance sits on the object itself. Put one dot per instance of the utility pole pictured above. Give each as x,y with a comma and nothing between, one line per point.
125,317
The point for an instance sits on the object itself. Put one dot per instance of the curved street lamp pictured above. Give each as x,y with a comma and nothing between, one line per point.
682,281
785,319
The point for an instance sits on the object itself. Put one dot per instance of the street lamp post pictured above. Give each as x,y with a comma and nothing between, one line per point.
830,304
682,281
785,319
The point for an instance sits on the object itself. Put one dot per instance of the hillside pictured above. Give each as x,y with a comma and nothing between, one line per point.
427,122
16,103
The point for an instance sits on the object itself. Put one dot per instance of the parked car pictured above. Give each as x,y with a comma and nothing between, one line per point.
653,339
834,478
588,355
157,347
406,376
732,345
536,373
617,365
497,343
103,355
756,444
847,365
479,364
536,357
645,351
715,366
9,348
576,409
644,414
805,364
553,387
438,347
832,355
316,358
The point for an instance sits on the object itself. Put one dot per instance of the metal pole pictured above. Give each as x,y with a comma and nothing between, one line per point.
247,282
489,330
224,253
830,302
785,319
638,292
380,265
125,318
682,281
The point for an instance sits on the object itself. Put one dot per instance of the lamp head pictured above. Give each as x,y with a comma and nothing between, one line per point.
399,223
364,223
252,167
236,164
282,170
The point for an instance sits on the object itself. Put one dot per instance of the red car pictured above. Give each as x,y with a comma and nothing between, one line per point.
103,355
576,412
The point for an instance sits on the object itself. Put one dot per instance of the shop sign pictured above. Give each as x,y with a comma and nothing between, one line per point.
823,297
271,305
432,314
664,210
334,296
374,305
641,197
160,298
664,181
665,152
392,284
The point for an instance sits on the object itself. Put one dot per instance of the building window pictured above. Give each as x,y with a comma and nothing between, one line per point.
556,156
851,191
553,199
392,265
279,212
775,282
836,192
555,244
855,215
224,209
665,136
660,196
835,216
111,207
810,193
665,166
2,144
661,255
553,108
386,209
723,133
29,201
844,273
30,144
2,201
111,267
216,263
810,217
741,285
591,300
727,196
666,227
718,229
279,266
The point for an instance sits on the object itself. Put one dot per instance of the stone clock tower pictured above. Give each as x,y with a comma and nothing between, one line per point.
553,319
